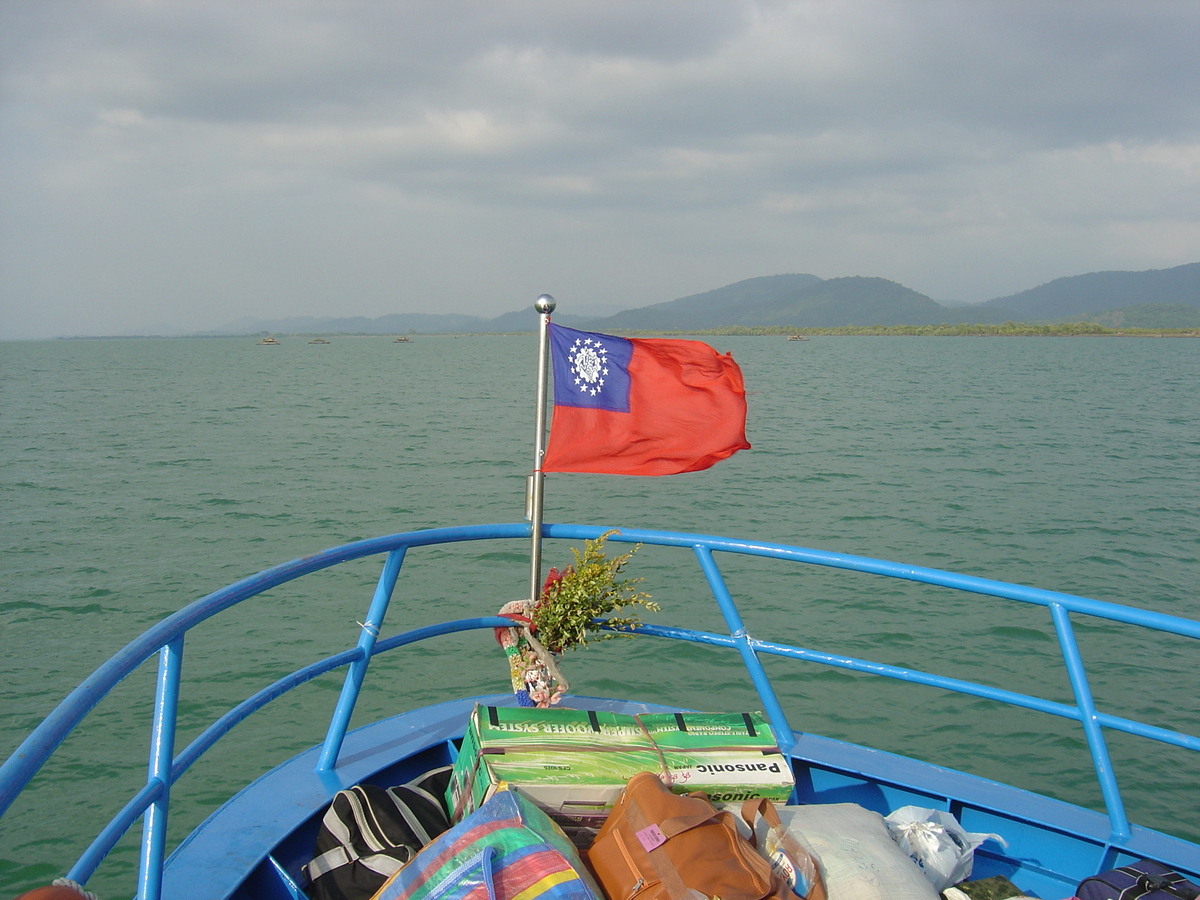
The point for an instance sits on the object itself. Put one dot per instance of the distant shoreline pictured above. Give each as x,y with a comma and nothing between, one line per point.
1008,329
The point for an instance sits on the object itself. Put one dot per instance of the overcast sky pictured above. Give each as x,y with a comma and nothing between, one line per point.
177,165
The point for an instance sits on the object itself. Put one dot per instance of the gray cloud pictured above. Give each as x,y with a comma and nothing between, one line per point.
183,164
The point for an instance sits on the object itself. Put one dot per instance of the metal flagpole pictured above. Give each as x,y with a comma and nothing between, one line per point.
533,500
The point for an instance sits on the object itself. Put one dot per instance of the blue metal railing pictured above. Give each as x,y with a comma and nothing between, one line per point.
167,640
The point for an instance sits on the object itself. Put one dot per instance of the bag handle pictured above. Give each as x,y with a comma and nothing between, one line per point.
488,864
703,811
1151,883
752,809
691,809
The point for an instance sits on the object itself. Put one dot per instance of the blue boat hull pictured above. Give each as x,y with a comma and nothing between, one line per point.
252,848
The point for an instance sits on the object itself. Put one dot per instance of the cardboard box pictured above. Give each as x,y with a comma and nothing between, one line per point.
575,763
572,763
708,731
728,777
729,756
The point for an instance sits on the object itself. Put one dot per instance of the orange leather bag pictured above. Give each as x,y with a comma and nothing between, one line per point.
656,845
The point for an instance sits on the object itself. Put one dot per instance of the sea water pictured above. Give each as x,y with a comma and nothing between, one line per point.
139,475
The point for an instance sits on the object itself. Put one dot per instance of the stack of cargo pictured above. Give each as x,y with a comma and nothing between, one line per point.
575,763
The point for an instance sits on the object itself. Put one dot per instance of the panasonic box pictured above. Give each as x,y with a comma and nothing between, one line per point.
574,763
729,756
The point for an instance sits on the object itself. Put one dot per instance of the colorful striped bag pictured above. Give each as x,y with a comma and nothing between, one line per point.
508,849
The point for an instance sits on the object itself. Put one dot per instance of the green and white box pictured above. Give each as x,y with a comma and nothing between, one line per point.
728,777
708,731
729,756
575,763
572,763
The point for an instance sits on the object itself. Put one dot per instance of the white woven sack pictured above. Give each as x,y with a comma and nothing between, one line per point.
858,857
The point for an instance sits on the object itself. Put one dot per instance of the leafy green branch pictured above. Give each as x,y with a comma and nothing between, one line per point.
587,590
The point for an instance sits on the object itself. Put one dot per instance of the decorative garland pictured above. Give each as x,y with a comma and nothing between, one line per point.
565,616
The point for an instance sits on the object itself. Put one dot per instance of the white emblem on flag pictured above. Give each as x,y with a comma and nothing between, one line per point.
589,365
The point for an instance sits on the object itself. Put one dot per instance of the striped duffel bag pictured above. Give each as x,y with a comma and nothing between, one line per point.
368,833
507,848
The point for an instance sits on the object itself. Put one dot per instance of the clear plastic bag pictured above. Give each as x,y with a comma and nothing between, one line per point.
790,860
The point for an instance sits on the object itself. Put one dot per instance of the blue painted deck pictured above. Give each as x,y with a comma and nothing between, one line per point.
1052,845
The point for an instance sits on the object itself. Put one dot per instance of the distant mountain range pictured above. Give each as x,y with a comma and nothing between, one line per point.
792,300
1120,297
1158,298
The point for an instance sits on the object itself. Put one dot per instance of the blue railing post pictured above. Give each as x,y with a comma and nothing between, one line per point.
358,669
162,749
737,630
1091,724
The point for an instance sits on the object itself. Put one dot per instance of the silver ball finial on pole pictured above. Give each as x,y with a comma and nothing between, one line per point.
544,304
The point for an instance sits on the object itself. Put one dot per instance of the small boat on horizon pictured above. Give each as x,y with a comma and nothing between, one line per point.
268,341
402,340
797,337
319,340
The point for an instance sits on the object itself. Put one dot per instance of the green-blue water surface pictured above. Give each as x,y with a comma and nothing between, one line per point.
139,475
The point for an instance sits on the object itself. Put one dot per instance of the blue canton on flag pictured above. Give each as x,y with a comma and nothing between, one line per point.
590,370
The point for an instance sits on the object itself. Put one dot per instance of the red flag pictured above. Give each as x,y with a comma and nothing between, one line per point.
628,406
